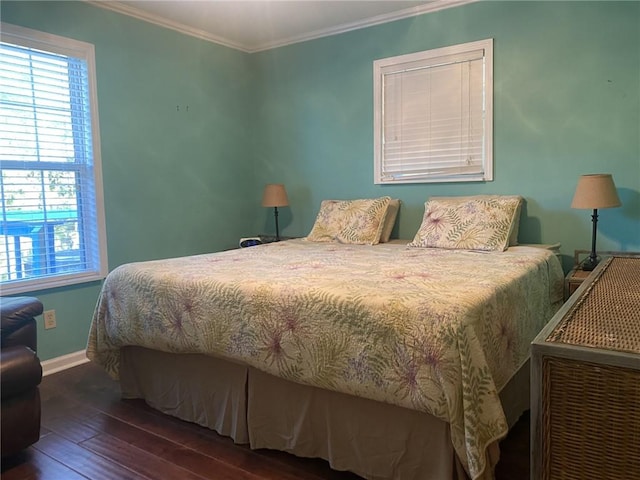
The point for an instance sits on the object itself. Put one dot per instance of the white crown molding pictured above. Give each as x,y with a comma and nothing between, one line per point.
64,362
166,23
434,6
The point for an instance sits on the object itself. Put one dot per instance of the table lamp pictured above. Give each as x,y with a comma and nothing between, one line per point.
595,191
275,196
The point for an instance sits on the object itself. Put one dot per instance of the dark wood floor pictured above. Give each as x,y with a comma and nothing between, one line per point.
89,432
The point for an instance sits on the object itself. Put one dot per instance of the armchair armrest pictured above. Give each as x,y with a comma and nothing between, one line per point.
20,370
17,324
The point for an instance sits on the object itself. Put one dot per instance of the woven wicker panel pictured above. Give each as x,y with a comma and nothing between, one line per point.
607,314
591,421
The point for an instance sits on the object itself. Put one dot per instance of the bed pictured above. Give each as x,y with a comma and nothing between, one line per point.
390,360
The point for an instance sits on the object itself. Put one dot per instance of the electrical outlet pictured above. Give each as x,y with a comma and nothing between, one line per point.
49,319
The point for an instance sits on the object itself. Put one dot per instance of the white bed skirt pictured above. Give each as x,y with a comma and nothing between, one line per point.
377,441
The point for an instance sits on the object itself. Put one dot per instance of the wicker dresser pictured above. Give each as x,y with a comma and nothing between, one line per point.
585,392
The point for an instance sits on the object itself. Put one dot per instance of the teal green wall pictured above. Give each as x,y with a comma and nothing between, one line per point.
566,102
176,182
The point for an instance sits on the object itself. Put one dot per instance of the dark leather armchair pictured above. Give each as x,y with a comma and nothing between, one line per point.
20,373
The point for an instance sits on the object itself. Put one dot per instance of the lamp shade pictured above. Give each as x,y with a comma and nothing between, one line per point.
274,195
596,191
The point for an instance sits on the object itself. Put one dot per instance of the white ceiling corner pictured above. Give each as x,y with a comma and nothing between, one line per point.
255,25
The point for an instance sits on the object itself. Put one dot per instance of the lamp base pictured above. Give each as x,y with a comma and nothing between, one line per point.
589,264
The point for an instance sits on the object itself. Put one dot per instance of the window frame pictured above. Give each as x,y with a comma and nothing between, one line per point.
90,169
428,59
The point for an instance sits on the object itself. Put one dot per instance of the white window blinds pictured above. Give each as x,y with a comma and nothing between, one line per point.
433,118
51,217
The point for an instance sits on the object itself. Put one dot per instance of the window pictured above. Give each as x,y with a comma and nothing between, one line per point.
52,230
433,115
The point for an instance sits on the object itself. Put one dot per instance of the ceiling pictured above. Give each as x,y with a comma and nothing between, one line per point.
254,25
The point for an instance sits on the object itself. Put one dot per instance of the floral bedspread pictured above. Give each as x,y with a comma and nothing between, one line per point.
440,331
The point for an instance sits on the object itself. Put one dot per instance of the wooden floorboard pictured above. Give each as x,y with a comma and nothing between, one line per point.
81,460
35,465
88,432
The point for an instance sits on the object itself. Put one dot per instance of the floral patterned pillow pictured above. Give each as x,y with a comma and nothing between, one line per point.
390,220
480,222
513,236
350,221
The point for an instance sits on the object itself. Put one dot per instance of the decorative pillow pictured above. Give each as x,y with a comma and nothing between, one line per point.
350,221
390,220
480,222
513,236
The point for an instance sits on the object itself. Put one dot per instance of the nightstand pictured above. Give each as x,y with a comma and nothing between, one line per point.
554,247
260,240
272,238
573,280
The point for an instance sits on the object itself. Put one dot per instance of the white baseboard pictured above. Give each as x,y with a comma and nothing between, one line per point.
65,361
